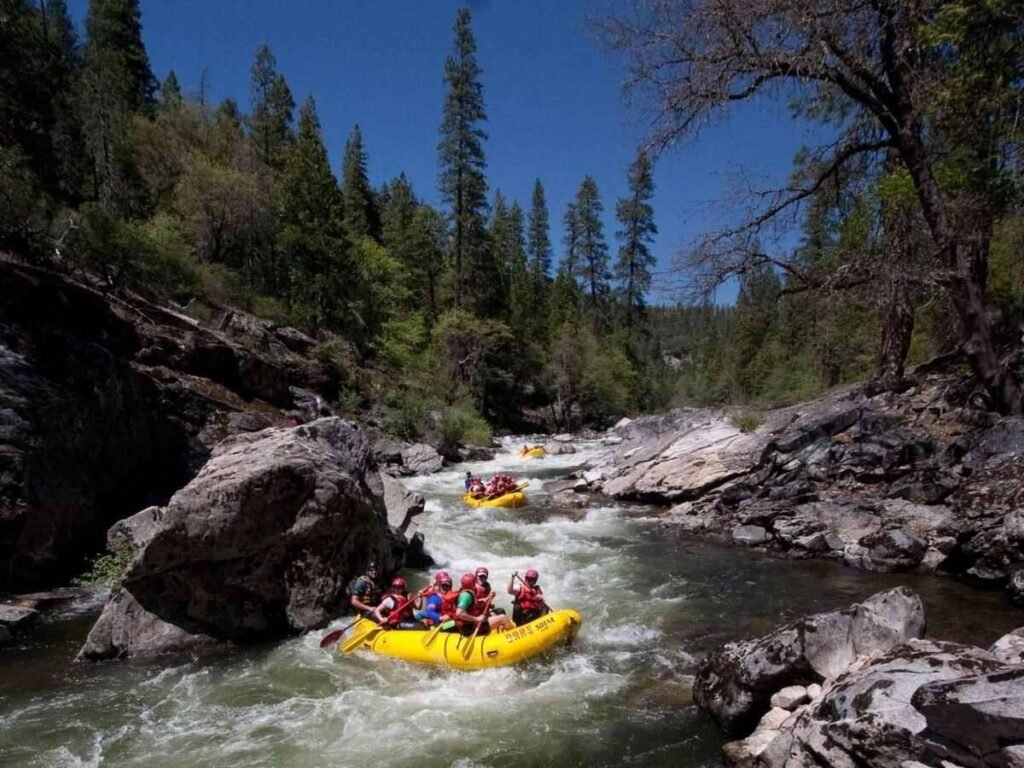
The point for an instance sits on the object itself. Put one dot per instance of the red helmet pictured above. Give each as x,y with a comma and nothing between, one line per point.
468,581
481,571
398,583
443,577
532,575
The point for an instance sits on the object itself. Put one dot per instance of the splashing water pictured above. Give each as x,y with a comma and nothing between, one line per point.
651,603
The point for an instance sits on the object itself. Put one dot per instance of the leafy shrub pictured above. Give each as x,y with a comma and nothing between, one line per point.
747,421
108,569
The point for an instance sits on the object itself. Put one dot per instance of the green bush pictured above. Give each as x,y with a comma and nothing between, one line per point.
747,421
461,425
108,569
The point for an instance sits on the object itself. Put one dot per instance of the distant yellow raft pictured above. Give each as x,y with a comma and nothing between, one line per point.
534,453
497,649
513,500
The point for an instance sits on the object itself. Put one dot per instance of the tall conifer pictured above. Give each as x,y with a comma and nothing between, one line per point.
592,260
309,240
361,216
272,108
461,157
636,219
116,84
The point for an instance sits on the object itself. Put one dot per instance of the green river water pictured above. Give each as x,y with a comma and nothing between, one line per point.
652,603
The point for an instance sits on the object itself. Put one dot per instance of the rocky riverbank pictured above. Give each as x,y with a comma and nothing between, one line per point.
111,403
862,687
916,481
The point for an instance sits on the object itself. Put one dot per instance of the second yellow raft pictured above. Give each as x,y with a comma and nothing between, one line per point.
496,649
514,500
534,453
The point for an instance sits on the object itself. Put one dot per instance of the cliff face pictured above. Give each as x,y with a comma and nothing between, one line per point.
110,404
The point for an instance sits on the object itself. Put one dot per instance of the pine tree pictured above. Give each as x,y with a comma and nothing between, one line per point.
636,217
492,294
117,83
310,238
361,216
538,249
592,260
461,157
272,106
522,311
62,80
170,91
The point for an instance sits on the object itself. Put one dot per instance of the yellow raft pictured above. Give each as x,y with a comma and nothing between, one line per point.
496,649
534,453
514,500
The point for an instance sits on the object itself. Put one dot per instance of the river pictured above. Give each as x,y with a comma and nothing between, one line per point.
652,603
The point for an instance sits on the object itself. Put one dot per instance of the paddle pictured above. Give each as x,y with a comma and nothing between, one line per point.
429,638
358,640
542,601
332,637
468,650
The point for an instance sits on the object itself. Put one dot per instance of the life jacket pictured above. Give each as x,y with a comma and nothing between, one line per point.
529,599
370,594
405,614
450,601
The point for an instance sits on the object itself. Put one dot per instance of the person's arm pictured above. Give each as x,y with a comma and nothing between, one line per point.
512,583
357,597
386,603
462,609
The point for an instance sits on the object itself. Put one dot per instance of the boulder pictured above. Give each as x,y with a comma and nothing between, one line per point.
671,460
135,531
421,459
790,697
16,618
1010,647
735,685
749,535
556,448
923,701
402,505
260,545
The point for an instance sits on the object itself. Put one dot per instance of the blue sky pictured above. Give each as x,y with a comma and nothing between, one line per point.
553,96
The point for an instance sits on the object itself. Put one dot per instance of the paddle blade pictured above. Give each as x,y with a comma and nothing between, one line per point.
358,640
332,637
429,637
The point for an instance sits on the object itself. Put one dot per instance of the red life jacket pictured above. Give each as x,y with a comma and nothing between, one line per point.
448,601
405,614
530,599
481,593
449,604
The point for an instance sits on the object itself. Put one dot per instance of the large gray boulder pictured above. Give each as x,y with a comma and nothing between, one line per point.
402,504
735,685
260,545
924,702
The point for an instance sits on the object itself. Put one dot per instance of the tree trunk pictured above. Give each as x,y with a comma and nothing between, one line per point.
897,330
965,260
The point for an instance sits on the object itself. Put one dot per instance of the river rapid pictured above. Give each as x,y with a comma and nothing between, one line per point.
652,603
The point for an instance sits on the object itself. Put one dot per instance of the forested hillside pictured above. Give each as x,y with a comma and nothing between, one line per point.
489,312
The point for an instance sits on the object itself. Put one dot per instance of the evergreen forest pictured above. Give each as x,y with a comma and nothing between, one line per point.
488,313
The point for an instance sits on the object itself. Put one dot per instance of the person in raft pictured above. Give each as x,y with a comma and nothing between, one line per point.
364,593
396,607
528,599
484,589
500,485
468,612
474,485
428,607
